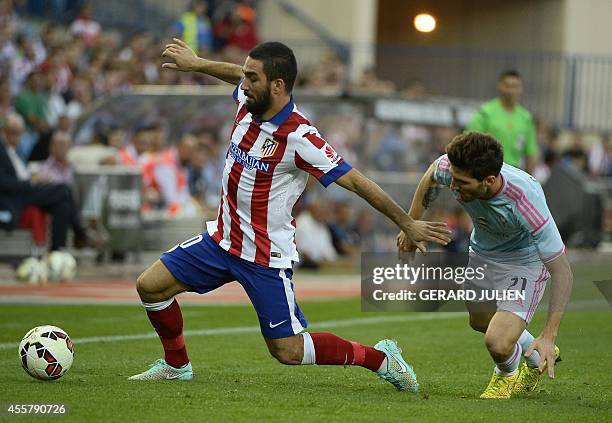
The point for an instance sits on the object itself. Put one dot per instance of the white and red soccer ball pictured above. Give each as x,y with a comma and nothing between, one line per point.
46,352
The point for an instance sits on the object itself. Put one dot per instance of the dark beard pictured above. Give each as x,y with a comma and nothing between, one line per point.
259,106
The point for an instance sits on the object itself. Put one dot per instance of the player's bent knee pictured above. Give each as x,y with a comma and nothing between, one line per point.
157,284
498,345
285,351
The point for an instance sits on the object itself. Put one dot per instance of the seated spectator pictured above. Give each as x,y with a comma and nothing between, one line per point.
576,156
344,237
102,150
212,168
313,237
19,190
57,169
82,96
365,228
135,153
202,177
28,56
461,225
600,157
168,177
31,104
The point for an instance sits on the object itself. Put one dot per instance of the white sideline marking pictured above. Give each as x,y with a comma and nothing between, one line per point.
255,329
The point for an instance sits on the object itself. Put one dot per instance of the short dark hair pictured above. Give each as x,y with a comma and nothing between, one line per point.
478,154
510,72
278,62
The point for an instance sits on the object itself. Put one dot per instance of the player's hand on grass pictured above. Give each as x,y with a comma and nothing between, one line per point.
546,347
185,59
418,232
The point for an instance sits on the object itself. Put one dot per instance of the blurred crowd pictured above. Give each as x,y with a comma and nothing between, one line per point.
52,71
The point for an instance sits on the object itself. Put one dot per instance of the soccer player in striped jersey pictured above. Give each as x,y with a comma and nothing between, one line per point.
517,241
272,151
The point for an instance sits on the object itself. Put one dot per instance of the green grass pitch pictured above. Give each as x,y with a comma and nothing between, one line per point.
237,380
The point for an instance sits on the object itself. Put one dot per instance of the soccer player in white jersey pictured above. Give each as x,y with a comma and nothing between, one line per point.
272,151
517,241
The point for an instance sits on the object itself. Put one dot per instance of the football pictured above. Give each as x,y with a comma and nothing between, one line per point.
61,266
32,270
46,352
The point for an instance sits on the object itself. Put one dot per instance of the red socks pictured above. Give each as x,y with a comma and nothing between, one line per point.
331,349
168,324
328,348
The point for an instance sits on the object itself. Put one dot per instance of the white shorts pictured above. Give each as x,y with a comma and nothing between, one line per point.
512,287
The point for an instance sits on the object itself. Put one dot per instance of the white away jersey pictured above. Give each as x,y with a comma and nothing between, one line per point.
516,223
266,170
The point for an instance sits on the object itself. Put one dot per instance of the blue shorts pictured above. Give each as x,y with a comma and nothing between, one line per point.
200,263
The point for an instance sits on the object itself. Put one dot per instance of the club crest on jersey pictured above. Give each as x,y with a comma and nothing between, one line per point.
269,147
247,161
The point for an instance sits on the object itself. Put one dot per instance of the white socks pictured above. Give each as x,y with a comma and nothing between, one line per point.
309,350
526,339
508,367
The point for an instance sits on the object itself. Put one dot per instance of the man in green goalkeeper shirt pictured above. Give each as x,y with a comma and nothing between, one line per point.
510,123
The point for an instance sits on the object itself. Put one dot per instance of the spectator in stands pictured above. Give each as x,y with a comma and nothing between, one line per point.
344,238
8,17
244,31
364,227
82,96
313,236
28,57
6,104
392,151
510,123
414,89
102,150
195,180
156,158
19,190
165,178
85,27
201,186
575,155
194,27
135,153
213,167
31,104
57,118
370,83
136,48
57,169
461,224
600,157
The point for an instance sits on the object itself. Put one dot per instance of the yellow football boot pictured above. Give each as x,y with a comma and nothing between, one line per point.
529,378
500,386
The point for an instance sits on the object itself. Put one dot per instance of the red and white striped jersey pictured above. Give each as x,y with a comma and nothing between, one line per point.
266,170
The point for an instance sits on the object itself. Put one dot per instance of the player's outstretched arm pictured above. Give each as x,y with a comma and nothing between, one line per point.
425,194
184,59
562,281
416,230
